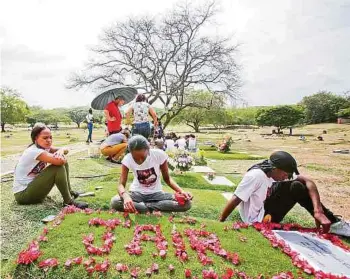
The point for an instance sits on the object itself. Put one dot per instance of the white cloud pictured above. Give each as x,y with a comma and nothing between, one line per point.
289,49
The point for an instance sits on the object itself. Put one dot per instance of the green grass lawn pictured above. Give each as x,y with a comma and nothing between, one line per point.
16,141
216,155
65,242
20,224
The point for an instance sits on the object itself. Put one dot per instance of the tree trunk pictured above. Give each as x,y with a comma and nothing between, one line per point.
196,127
78,124
291,131
2,127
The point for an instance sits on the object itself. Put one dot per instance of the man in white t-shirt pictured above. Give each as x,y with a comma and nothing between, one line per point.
145,193
266,194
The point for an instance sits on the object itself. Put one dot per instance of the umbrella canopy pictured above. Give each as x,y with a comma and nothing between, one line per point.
100,102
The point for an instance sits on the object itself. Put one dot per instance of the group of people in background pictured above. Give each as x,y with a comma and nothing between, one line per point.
267,192
172,142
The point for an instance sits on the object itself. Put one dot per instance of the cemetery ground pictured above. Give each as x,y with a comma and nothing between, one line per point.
21,224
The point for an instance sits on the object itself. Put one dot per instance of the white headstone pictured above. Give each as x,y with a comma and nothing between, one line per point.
204,169
321,254
219,180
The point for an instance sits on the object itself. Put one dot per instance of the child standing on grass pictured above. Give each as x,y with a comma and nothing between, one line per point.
146,194
40,167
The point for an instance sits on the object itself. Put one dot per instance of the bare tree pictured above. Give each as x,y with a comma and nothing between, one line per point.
166,58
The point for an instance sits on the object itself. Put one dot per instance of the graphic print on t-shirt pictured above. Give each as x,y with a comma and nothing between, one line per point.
37,169
147,177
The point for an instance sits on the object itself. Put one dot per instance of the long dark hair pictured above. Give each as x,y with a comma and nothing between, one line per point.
37,129
90,111
140,98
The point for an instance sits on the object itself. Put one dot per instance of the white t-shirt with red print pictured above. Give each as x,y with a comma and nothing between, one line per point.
253,190
147,176
28,168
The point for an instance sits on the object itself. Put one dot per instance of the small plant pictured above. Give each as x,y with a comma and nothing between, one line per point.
224,145
183,160
199,158
211,176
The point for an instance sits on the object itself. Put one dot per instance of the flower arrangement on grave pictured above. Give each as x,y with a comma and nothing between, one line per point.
183,160
199,158
211,176
225,144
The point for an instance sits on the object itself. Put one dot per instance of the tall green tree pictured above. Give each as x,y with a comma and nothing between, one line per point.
206,105
13,108
323,107
280,116
77,115
47,116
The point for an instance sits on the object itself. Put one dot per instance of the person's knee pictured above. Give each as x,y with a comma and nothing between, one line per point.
187,205
117,203
299,189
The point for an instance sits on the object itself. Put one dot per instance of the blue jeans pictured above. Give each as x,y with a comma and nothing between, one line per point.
90,126
143,129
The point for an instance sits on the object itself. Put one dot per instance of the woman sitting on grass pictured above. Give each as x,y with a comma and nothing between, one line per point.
34,179
146,192
115,146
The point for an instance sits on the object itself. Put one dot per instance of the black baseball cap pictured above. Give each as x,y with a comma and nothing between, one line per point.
284,161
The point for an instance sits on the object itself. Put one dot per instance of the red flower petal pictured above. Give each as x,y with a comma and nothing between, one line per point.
52,262
188,273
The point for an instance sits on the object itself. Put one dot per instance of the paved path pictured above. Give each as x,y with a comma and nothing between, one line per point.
8,163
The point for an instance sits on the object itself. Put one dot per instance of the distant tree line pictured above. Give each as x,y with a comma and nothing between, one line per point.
209,110
322,107
15,110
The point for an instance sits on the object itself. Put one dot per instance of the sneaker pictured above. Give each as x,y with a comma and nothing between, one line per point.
75,194
115,161
341,228
79,204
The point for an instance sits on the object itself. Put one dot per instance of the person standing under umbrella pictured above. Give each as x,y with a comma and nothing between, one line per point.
113,115
90,125
141,109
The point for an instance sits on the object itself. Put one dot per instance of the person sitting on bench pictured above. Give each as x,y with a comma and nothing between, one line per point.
266,195
40,167
115,146
146,194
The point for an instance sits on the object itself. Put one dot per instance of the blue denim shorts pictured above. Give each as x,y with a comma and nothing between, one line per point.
143,129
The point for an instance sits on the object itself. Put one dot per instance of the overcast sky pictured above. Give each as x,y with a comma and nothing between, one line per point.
289,48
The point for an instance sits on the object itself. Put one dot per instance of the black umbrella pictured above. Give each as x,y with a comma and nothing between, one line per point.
127,93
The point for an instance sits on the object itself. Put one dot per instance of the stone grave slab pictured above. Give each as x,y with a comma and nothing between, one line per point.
219,180
321,254
202,169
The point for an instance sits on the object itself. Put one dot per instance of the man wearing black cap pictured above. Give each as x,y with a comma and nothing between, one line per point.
270,189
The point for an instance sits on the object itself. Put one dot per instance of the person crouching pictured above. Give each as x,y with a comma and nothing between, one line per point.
115,146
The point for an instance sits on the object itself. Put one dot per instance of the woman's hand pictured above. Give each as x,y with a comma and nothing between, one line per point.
188,196
128,204
62,151
112,119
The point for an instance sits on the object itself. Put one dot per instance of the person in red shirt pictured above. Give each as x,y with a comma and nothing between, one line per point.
114,116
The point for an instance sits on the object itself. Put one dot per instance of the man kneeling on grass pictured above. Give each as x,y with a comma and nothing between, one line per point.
146,192
266,194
